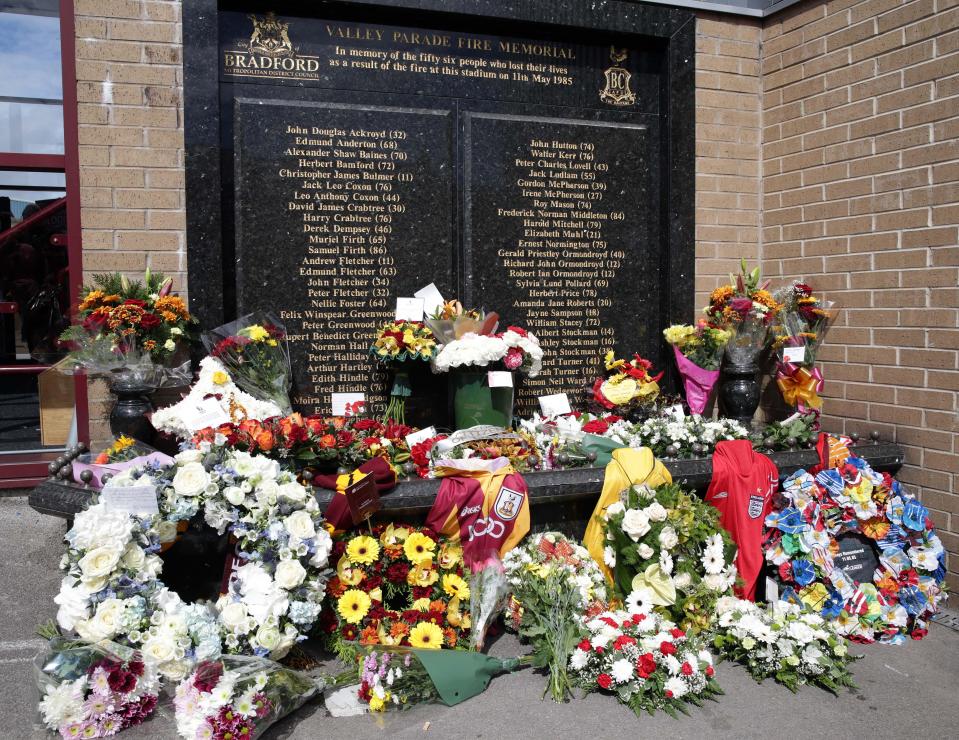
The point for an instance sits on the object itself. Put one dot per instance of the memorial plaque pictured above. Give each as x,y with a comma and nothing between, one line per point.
540,168
857,557
339,210
556,240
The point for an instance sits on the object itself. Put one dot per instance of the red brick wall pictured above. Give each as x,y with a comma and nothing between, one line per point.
860,161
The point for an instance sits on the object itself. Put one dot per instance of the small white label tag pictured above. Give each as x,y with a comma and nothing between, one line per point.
432,298
131,499
409,309
339,401
500,379
556,404
420,436
772,590
794,354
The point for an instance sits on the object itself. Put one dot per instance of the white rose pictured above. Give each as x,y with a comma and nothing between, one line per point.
234,495
645,551
292,492
635,524
266,493
300,524
287,640
289,574
159,649
614,508
152,567
324,543
133,557
166,530
188,456
108,617
668,538
176,670
234,616
169,345
73,601
98,563
656,512
191,480
267,637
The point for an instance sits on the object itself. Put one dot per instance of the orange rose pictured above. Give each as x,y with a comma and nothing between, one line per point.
316,426
327,441
264,440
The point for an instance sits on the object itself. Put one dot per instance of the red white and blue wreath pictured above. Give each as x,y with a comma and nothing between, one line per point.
855,546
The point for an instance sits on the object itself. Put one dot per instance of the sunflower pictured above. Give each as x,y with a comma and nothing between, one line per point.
456,586
426,635
353,606
363,550
418,547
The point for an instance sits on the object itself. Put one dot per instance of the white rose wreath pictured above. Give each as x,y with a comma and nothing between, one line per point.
113,588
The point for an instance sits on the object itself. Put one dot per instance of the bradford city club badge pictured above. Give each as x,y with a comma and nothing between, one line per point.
508,503
270,37
617,90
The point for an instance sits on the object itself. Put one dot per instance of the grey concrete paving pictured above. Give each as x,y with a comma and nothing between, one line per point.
907,691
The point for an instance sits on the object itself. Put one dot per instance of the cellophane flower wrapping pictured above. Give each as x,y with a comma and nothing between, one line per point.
749,338
393,678
93,690
254,351
697,381
555,586
488,591
239,696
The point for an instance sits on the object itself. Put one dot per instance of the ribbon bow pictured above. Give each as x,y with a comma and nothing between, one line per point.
800,386
346,480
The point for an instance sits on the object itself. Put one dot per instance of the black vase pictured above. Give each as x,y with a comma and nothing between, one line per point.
129,414
739,392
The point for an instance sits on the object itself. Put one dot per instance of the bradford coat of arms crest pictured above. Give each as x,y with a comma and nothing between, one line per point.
618,80
271,36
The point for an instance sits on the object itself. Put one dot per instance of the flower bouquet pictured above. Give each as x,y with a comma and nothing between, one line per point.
668,551
744,299
699,353
895,583
397,586
254,351
405,677
131,331
94,690
800,331
125,452
783,642
688,436
238,697
628,387
396,343
555,586
452,320
644,660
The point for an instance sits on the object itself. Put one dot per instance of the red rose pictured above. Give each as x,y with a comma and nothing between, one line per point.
710,672
667,648
207,676
364,425
596,426
149,321
612,418
604,680
919,633
397,572
669,694
686,668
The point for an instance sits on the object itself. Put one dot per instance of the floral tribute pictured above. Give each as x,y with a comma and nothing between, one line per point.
744,299
90,691
254,351
237,697
123,449
817,512
398,586
645,661
113,588
626,386
699,353
122,318
514,349
667,550
213,386
800,331
784,642
555,587
398,343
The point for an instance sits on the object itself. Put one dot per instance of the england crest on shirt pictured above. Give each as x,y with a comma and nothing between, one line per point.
756,503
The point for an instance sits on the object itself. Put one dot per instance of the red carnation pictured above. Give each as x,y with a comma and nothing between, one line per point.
677,633
669,694
667,648
609,621
646,666
622,641
686,668
585,645
397,572
637,618
596,426
710,672
517,330
604,680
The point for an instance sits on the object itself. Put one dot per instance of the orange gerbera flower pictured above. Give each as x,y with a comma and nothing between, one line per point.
369,636
399,629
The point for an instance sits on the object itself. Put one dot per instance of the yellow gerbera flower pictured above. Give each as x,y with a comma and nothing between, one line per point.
353,606
456,586
418,547
363,550
426,635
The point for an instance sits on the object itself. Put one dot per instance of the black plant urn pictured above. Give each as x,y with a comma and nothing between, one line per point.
739,391
129,414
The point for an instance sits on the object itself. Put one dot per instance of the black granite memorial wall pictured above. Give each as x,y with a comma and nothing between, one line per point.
534,158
